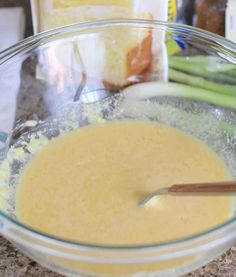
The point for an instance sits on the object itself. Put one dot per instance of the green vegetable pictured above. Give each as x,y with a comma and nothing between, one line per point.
153,89
200,82
213,64
206,69
147,90
232,73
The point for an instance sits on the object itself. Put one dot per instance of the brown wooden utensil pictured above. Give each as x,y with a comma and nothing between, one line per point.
227,187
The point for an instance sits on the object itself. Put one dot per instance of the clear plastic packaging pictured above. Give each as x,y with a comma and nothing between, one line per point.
49,14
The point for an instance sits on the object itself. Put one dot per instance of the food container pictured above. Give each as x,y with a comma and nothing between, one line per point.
211,15
49,14
197,95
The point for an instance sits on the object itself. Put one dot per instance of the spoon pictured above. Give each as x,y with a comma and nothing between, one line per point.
193,188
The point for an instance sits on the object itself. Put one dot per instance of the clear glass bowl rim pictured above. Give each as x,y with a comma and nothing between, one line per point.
37,40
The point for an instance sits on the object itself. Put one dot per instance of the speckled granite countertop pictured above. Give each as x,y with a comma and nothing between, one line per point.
15,264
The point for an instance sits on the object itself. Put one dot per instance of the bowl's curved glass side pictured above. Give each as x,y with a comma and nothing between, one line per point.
168,74
73,261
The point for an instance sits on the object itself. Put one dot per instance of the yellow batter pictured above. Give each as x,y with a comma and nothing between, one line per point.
85,185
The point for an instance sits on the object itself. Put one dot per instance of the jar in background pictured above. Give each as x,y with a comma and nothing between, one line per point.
211,15
185,11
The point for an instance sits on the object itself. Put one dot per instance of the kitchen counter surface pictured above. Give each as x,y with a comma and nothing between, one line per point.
15,264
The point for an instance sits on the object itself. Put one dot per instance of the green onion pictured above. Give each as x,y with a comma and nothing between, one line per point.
143,91
200,82
153,89
208,68
213,64
232,73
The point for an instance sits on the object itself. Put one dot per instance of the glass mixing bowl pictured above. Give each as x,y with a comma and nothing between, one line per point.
63,79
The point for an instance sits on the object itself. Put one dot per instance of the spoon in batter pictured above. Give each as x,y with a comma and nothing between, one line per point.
193,189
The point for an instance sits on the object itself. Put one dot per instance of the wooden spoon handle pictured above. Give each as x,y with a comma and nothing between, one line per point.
219,187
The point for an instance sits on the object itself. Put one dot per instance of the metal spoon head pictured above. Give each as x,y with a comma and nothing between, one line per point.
149,197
